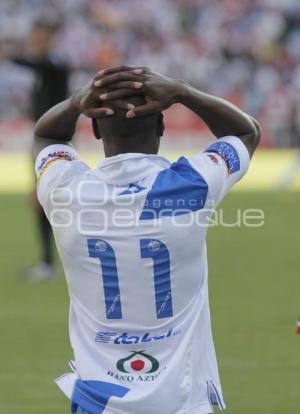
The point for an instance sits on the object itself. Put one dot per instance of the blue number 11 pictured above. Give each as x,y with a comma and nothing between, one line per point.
150,248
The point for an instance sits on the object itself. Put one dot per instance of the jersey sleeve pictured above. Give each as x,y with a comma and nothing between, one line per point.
55,166
222,165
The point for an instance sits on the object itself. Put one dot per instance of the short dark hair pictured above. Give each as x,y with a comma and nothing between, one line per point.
128,132
128,126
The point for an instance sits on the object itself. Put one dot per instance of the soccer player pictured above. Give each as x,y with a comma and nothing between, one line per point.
131,236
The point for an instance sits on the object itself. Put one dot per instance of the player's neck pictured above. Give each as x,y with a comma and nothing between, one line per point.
145,146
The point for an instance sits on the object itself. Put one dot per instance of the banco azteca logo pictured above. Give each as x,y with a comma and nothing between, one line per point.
138,361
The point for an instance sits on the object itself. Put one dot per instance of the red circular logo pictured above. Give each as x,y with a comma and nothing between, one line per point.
137,365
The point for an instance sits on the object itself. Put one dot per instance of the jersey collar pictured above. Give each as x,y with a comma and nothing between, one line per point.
125,168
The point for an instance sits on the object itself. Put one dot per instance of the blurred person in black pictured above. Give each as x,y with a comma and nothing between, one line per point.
49,88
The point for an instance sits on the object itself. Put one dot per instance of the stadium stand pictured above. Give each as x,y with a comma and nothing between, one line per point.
246,51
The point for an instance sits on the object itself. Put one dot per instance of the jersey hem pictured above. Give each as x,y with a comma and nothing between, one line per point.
67,381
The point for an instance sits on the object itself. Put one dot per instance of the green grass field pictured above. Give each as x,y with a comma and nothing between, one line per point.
255,301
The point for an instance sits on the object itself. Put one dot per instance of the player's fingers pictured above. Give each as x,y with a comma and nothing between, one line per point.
115,69
118,77
122,104
148,108
124,85
121,93
98,112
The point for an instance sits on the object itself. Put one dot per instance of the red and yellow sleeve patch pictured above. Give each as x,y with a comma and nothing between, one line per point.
51,158
46,165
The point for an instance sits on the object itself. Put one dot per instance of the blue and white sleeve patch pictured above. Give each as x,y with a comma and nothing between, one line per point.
177,190
229,154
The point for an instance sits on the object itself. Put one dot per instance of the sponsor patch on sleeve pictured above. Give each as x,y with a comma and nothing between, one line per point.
213,158
228,153
52,157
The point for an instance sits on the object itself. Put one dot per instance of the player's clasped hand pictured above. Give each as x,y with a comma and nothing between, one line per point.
88,101
117,83
160,91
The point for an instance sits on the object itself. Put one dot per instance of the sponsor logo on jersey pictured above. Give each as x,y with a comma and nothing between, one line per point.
126,338
138,366
138,361
56,155
154,245
228,153
213,158
45,167
132,189
134,378
101,246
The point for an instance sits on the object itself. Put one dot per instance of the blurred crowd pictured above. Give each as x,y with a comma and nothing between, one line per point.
244,50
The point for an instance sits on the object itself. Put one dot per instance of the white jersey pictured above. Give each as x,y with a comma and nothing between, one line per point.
131,236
